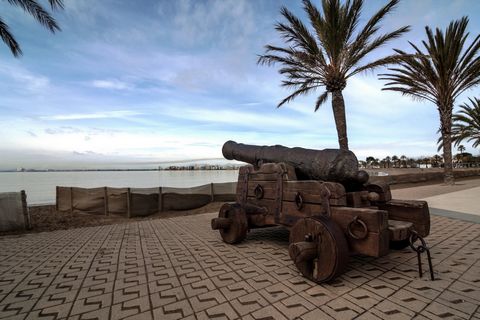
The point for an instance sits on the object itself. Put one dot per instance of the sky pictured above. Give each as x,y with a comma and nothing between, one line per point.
138,83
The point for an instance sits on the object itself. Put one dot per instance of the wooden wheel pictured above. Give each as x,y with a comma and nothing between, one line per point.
318,248
231,222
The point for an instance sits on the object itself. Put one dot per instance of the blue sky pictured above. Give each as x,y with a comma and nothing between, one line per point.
138,82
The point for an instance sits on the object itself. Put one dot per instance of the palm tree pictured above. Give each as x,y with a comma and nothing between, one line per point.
436,161
394,160
370,160
403,163
461,148
440,75
33,8
466,124
388,160
330,53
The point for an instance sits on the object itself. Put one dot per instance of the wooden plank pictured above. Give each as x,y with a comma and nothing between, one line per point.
267,172
275,168
314,187
310,192
262,177
269,189
308,210
374,245
310,188
411,211
376,220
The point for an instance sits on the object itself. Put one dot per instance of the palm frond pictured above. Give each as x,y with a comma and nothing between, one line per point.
8,38
56,4
38,12
321,100
297,33
299,92
354,59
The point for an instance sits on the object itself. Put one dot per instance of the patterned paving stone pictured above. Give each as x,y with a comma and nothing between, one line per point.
180,269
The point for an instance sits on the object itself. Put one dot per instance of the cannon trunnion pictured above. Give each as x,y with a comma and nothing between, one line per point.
327,222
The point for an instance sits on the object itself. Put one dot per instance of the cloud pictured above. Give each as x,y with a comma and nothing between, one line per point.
111,84
86,153
62,130
197,23
28,80
95,115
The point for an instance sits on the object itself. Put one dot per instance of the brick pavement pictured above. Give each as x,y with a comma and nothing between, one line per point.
180,269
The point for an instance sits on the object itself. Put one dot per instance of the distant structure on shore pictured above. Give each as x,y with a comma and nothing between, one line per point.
159,168
202,167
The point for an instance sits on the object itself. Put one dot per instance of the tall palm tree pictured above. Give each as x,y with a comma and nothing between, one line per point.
33,8
329,53
447,68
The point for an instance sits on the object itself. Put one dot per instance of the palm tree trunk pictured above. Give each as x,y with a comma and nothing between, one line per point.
446,119
338,106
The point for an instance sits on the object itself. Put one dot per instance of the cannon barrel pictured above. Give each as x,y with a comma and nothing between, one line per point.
327,165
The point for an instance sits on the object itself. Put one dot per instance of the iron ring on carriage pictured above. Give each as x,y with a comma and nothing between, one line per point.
357,221
299,201
259,192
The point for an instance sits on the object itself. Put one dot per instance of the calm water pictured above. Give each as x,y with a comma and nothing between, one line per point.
40,186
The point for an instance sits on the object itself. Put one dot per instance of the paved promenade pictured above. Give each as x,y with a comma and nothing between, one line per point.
179,268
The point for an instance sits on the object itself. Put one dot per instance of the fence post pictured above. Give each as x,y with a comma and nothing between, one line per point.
105,200
160,199
71,200
26,216
212,195
56,198
128,203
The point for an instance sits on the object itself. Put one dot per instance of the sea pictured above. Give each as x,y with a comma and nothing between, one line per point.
40,186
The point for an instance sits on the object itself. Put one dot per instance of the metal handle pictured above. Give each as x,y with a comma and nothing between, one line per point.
363,234
259,192
299,201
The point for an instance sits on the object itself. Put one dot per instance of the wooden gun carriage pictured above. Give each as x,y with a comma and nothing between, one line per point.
330,217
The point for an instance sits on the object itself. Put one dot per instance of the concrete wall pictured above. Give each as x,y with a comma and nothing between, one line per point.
423,176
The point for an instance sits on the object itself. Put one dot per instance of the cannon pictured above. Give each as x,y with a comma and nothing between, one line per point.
327,203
